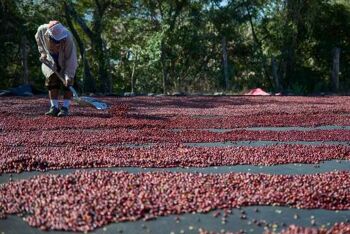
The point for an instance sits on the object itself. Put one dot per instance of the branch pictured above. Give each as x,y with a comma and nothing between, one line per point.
74,32
79,20
178,9
160,8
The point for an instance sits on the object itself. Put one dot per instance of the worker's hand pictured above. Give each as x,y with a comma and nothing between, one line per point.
43,58
68,80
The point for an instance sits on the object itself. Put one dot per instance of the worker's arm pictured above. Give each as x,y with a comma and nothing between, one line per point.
40,41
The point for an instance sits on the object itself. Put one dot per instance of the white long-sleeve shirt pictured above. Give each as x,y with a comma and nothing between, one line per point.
67,59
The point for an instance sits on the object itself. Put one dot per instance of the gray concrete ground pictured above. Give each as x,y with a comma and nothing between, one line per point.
284,169
274,218
275,129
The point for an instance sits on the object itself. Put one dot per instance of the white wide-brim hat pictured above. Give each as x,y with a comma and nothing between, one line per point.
57,31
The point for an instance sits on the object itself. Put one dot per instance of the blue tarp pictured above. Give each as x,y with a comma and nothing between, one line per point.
21,90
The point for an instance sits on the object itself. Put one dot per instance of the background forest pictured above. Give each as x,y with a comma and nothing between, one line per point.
190,46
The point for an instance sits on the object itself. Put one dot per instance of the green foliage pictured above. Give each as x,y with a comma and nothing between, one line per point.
164,46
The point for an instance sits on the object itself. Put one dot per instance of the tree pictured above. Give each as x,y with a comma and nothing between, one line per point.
97,13
89,84
332,45
187,46
19,61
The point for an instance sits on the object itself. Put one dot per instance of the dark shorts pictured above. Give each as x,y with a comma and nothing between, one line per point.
53,82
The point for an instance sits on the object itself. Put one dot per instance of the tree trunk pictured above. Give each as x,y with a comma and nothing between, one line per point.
95,36
225,62
108,70
89,84
165,77
258,45
164,68
132,81
275,75
101,60
110,78
335,70
24,58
